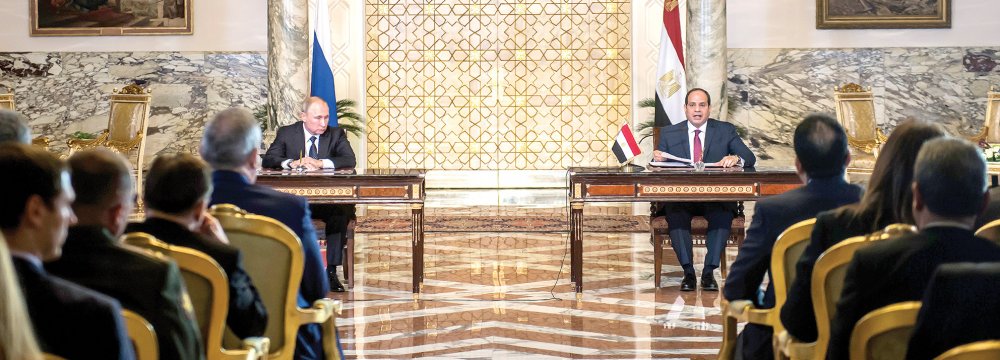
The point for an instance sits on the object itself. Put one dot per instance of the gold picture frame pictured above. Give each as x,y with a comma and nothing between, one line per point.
110,17
882,14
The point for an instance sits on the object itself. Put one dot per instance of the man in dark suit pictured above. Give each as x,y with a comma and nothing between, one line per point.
178,187
701,139
229,145
145,283
312,144
959,307
70,321
949,190
821,157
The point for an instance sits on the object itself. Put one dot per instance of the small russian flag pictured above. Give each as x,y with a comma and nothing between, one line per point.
625,146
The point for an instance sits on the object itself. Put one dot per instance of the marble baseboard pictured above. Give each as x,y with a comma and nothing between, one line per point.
768,90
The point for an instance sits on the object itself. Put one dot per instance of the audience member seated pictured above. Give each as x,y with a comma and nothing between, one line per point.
230,146
93,256
14,127
177,190
960,307
17,336
886,201
70,321
949,191
821,157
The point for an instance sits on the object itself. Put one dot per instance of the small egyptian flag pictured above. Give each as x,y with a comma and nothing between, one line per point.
625,146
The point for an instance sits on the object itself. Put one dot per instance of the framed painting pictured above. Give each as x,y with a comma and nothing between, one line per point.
110,17
883,14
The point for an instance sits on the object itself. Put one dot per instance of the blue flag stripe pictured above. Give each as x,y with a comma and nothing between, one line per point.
322,80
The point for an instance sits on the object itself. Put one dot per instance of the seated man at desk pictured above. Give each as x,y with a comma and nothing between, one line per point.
705,140
312,144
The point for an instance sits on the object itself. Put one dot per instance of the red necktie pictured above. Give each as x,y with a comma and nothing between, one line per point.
697,146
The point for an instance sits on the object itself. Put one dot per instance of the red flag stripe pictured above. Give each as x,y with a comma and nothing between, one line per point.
672,22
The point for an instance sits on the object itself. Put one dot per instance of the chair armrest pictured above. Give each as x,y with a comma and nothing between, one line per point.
793,348
257,347
745,311
322,313
79,144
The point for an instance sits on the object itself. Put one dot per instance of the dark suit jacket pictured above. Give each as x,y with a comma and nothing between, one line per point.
72,321
293,211
771,217
898,270
721,139
247,315
831,228
290,144
146,284
959,307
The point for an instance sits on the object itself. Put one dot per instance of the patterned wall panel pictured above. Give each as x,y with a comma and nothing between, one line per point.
510,84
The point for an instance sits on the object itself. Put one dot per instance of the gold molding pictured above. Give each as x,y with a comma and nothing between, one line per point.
721,189
337,191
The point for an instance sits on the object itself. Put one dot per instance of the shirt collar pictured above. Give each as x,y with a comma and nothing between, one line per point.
692,128
34,260
951,224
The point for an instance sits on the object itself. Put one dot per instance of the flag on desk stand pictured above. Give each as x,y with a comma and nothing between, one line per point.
671,84
321,84
625,146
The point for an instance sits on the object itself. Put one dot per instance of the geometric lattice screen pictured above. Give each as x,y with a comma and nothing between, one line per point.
495,85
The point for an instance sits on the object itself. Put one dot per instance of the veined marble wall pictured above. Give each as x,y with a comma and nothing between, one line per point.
769,89
65,92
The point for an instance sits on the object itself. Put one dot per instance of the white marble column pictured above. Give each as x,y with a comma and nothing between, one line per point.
706,51
287,57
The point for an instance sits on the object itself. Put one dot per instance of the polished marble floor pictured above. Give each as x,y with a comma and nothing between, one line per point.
508,296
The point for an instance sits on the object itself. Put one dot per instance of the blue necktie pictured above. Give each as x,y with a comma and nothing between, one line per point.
313,152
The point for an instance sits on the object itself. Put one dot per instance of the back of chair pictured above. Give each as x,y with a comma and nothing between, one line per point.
980,350
990,132
273,257
885,332
855,109
990,231
787,250
142,335
7,101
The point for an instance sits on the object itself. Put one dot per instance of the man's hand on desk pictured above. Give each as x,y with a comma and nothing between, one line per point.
729,161
658,156
308,162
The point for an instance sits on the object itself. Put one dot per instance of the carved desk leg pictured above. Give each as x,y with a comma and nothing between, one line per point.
576,244
418,246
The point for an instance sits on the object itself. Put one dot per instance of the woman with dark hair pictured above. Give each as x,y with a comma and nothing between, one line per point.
886,201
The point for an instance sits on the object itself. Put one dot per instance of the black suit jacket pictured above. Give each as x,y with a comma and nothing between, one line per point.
771,217
959,307
898,270
146,284
290,144
721,139
293,211
831,228
72,321
247,315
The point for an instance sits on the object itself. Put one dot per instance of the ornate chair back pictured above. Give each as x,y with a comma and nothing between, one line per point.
980,350
885,332
142,335
990,231
7,100
990,132
208,289
273,258
855,108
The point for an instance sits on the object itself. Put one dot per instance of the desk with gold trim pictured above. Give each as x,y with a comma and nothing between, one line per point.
635,184
370,186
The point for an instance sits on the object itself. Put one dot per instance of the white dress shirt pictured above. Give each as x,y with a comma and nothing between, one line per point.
327,163
701,136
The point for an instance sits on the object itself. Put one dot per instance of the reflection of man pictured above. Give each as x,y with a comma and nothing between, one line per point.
821,157
312,144
230,146
701,139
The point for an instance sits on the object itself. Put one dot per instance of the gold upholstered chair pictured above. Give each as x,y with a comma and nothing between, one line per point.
827,284
786,252
855,109
142,335
990,133
990,231
126,132
980,350
885,332
273,257
208,289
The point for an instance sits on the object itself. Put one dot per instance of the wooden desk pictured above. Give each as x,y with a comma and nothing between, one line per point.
635,184
371,186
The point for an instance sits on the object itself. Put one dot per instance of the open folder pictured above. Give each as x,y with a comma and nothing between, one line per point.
675,161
